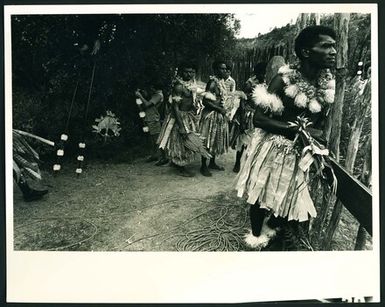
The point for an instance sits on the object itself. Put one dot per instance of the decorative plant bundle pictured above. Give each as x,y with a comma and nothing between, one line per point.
25,158
194,142
107,126
232,101
312,152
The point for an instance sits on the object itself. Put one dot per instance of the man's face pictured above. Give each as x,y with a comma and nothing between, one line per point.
188,74
221,71
323,53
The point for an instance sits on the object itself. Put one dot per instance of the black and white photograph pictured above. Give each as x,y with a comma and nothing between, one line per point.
200,151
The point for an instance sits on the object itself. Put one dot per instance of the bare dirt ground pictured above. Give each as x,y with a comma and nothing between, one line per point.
140,207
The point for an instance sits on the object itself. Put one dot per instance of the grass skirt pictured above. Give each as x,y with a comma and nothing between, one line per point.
214,127
238,138
270,175
25,158
172,141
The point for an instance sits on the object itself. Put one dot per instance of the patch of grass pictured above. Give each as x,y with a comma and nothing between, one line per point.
52,234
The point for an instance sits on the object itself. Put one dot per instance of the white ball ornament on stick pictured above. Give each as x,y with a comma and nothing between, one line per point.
60,152
139,101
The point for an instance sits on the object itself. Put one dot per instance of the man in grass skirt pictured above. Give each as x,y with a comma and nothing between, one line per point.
274,170
242,125
214,124
178,136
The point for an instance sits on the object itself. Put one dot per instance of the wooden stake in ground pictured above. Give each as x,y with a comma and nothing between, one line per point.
341,24
363,111
366,178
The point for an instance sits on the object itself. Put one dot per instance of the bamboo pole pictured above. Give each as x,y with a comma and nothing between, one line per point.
341,24
43,140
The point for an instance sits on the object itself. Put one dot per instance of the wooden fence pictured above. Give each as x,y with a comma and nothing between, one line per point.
242,66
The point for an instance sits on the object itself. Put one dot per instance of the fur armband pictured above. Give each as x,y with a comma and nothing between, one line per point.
266,100
284,70
209,96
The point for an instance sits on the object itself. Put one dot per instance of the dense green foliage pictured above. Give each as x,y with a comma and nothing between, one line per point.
51,53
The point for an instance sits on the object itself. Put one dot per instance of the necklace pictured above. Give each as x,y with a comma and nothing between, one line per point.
306,95
192,87
221,86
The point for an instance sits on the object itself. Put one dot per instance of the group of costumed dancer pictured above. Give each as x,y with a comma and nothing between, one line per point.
264,123
269,123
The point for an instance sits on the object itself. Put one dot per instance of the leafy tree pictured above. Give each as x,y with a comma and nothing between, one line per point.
52,53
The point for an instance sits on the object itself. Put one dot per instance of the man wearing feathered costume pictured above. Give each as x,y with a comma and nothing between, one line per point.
274,172
178,136
214,123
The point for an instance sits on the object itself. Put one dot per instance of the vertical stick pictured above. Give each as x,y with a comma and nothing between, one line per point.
366,179
341,22
361,239
342,27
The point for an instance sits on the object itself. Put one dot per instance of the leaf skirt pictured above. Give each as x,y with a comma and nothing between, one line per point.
270,175
25,158
172,141
214,128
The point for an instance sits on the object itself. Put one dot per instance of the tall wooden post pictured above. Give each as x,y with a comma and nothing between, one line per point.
341,25
366,178
315,19
363,102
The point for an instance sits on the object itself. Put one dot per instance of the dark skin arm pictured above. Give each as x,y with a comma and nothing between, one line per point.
261,120
178,89
318,135
248,87
154,100
211,87
242,115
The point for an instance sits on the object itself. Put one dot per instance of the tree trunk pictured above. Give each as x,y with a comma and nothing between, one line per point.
341,23
362,109
341,27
